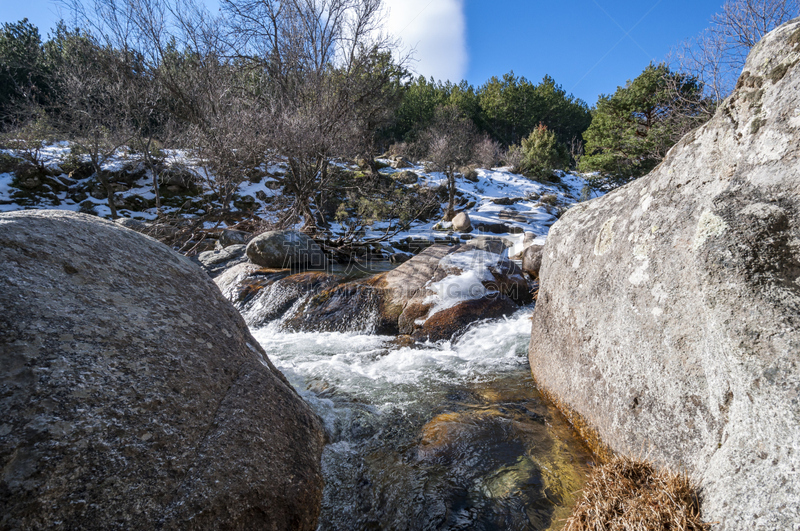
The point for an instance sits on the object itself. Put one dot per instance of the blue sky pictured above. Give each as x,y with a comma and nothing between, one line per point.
588,46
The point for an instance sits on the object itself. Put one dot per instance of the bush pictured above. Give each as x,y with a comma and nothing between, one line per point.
487,152
9,163
542,153
513,157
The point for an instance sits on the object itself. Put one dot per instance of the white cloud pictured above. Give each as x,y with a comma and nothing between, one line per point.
436,29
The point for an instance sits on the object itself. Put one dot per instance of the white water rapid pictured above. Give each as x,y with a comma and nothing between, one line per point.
450,435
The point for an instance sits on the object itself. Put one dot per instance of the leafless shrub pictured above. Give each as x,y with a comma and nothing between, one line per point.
487,152
513,157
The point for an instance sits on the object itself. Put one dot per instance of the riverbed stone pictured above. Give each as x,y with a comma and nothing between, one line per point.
443,324
218,260
133,393
668,322
229,237
286,249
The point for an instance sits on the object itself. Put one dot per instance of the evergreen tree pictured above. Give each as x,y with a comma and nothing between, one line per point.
24,76
542,153
633,129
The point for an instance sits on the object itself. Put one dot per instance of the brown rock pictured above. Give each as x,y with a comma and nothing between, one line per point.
532,260
133,394
443,324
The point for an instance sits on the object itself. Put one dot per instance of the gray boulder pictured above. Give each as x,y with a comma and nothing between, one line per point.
283,249
431,296
216,261
462,223
668,322
133,393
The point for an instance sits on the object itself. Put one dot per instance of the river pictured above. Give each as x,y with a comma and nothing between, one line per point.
452,435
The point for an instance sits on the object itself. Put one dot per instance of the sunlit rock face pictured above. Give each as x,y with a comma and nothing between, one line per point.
134,396
668,321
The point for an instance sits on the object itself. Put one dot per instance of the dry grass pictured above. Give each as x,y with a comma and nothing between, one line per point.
628,495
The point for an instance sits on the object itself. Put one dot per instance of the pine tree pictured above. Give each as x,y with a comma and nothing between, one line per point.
633,129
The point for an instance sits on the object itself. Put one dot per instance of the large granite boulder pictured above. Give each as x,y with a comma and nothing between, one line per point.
668,322
134,396
443,289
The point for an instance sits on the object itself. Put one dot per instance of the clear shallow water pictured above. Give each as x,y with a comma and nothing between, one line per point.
451,435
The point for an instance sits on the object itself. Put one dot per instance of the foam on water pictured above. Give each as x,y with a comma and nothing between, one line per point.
377,372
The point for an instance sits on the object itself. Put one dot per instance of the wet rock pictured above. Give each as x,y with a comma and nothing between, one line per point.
267,296
216,261
668,319
133,393
462,223
233,237
442,287
350,307
286,249
400,301
443,324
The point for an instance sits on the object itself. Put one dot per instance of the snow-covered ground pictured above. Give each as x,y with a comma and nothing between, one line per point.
536,206
529,206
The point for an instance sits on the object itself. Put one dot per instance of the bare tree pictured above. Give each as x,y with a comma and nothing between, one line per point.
450,140
717,55
325,69
742,23
93,82
187,71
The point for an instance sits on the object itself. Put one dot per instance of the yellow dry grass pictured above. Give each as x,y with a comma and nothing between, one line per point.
631,495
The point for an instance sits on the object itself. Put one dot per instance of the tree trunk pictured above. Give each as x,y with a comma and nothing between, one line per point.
149,161
451,193
309,222
109,190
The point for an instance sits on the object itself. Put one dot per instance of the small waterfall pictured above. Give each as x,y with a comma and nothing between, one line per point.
289,301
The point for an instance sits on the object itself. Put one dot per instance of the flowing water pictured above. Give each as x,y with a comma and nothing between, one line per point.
451,435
